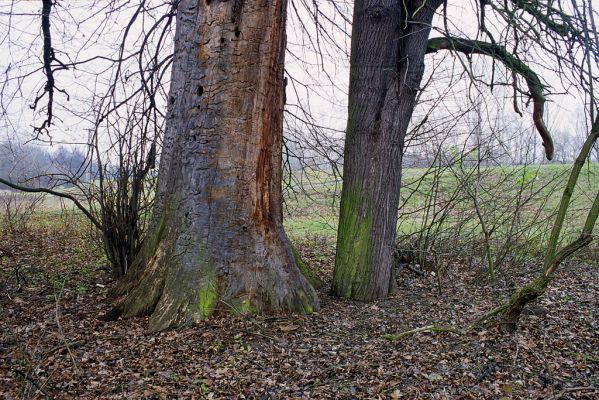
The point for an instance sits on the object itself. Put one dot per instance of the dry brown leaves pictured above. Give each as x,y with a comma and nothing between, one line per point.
54,343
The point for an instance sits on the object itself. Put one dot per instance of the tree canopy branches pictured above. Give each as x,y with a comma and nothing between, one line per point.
498,52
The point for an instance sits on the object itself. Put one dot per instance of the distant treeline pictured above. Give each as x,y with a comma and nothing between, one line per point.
33,165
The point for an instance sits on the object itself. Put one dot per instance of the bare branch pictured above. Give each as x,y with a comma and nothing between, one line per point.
54,193
48,57
498,52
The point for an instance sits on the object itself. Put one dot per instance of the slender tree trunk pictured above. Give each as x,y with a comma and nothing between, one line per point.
510,315
389,41
218,241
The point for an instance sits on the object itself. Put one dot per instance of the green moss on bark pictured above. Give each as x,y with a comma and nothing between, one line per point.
305,270
353,261
530,292
242,307
306,302
208,290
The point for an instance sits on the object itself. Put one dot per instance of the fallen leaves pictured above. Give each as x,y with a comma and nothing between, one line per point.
288,328
340,352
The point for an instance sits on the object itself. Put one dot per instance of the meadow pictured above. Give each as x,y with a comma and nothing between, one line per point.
459,209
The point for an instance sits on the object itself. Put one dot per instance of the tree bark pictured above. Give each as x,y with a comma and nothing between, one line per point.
389,42
218,241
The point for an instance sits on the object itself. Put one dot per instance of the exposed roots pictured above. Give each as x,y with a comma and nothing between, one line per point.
181,290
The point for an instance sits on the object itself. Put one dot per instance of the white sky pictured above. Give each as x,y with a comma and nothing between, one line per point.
326,75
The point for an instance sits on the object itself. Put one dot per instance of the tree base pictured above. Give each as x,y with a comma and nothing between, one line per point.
177,289
510,316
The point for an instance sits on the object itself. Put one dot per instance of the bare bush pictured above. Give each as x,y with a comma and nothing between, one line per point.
17,209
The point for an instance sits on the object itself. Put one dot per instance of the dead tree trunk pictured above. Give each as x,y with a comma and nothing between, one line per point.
218,241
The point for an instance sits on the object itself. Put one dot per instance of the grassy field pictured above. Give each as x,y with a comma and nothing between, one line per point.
447,206
312,203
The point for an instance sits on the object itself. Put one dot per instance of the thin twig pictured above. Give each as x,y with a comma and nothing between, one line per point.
60,330
32,381
575,389
429,328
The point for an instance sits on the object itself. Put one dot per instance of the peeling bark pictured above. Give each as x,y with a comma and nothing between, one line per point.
218,242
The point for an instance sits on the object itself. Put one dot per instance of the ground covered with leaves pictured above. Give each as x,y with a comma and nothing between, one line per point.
54,342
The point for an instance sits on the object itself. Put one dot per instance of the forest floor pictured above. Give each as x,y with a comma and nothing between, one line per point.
54,342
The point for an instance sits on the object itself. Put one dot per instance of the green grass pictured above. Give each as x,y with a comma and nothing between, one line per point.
312,200
313,207
304,226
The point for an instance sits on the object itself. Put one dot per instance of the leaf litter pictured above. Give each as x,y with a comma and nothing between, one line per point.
54,342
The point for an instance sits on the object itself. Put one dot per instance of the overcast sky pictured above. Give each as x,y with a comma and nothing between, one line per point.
83,30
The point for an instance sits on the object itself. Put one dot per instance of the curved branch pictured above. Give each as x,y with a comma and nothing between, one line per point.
57,194
498,52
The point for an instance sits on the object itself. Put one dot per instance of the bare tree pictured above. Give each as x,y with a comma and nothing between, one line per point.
116,85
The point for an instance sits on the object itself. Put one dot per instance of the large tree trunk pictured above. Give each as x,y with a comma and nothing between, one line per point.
218,241
387,63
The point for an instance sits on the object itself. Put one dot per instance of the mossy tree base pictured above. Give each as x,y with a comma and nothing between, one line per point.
510,315
177,291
